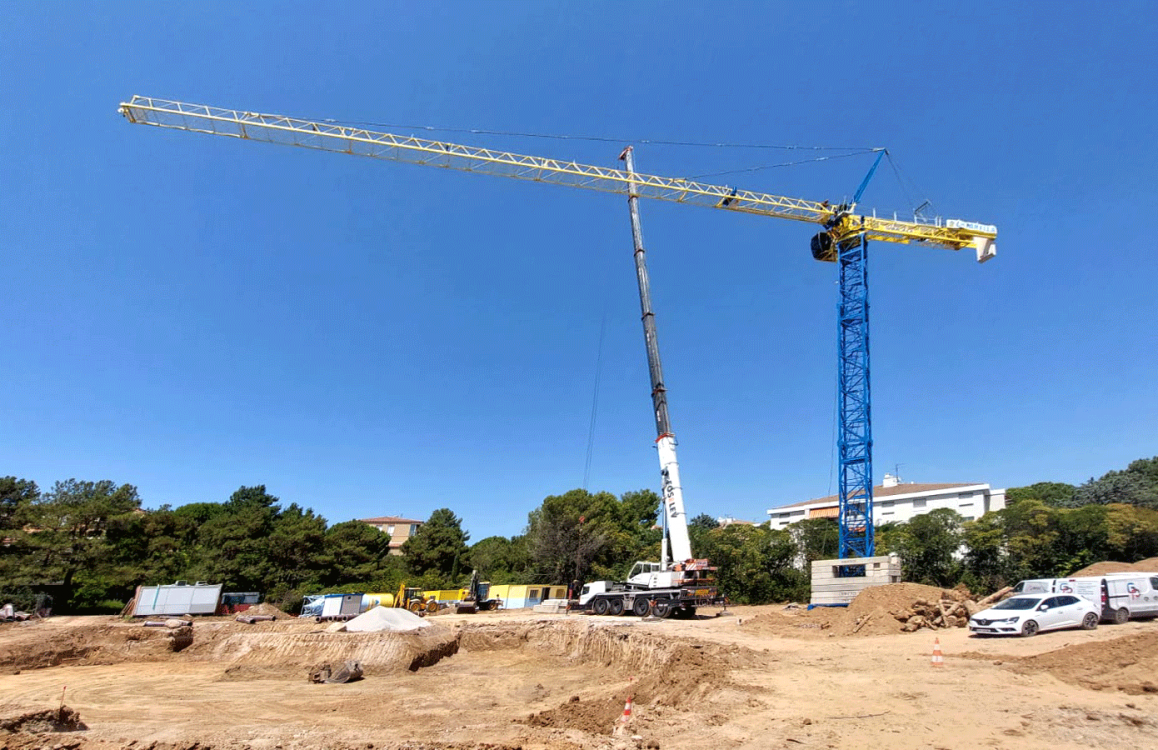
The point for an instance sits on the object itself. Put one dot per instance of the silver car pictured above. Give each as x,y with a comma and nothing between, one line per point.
1029,614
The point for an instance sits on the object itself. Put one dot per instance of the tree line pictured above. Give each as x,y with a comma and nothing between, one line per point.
91,543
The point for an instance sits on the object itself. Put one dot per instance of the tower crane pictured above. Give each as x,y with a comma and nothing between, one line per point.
843,239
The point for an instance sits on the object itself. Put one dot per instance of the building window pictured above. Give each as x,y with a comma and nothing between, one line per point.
919,503
390,529
413,529
967,505
968,518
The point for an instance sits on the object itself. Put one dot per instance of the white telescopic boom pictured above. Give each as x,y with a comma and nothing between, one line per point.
673,500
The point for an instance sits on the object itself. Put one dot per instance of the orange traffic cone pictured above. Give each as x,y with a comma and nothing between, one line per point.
621,725
627,710
938,658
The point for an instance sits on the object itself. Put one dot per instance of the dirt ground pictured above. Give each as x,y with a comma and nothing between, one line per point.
756,677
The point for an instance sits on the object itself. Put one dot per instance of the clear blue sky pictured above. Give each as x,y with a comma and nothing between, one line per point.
192,314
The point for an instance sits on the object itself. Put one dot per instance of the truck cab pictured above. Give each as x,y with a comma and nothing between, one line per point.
650,575
590,590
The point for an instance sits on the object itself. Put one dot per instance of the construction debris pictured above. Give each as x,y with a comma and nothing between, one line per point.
952,610
180,638
251,619
60,719
171,623
348,672
995,597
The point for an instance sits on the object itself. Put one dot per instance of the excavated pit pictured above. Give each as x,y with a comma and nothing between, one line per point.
661,672
604,663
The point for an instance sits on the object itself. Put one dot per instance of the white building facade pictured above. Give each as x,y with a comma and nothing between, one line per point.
895,501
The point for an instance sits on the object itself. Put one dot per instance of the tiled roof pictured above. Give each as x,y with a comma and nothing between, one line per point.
389,520
882,491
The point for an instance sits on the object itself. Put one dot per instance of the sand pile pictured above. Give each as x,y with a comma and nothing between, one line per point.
391,619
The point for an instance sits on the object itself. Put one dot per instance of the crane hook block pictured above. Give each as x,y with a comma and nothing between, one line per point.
823,248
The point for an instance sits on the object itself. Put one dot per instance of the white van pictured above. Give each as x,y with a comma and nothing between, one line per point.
1132,596
1034,586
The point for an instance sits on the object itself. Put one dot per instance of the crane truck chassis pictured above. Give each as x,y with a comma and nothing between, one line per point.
690,586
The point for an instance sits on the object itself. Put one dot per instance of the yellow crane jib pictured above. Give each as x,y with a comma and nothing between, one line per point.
328,136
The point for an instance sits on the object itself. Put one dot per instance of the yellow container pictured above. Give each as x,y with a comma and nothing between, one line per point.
446,595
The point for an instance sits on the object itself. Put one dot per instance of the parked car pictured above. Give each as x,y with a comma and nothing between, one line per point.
1029,614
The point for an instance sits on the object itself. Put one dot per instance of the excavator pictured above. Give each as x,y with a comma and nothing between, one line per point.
474,600
411,598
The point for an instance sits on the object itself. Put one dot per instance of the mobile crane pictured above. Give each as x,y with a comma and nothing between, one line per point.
677,584
843,239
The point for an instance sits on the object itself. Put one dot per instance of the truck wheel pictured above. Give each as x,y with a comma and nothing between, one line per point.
661,608
615,607
1121,616
640,606
599,606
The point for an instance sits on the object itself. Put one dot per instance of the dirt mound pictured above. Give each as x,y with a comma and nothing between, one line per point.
666,672
62,719
896,596
293,650
1103,568
42,646
265,609
593,716
687,676
289,645
1128,664
1149,565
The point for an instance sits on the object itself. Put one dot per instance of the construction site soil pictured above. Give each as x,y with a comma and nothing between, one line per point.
755,677
1148,565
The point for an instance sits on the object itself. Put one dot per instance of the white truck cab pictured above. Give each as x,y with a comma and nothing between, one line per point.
650,575
590,590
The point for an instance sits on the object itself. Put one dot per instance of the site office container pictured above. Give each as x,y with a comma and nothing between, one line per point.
519,596
337,606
